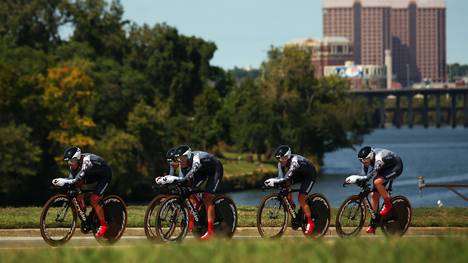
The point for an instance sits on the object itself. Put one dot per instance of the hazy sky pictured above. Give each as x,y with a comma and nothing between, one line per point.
244,30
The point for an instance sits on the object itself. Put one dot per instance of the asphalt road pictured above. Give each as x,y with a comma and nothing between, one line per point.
23,239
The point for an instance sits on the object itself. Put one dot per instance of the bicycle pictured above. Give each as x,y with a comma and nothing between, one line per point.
59,217
172,215
275,208
352,213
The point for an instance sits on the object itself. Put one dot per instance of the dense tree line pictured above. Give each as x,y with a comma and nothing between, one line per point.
128,92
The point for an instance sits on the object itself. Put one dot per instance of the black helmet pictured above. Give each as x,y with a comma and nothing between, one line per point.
72,152
183,151
366,152
283,152
170,155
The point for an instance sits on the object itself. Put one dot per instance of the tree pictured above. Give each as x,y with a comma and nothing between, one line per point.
206,126
251,118
314,114
66,90
34,23
18,159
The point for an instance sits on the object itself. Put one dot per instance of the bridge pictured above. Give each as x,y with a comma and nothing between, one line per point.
450,111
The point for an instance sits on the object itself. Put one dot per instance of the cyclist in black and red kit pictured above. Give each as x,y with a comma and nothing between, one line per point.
195,168
295,168
383,165
86,168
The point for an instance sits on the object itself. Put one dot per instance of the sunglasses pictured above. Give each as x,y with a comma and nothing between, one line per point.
282,158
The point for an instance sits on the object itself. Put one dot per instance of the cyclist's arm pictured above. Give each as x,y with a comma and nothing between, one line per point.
171,170
280,171
87,164
195,166
289,173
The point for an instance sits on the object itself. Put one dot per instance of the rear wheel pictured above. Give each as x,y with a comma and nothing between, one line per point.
351,216
58,220
225,216
115,212
171,220
320,213
272,216
150,218
397,221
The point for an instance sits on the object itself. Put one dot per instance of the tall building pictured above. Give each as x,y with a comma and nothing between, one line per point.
414,31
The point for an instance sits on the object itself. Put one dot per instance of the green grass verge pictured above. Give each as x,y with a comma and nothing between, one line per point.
446,249
28,217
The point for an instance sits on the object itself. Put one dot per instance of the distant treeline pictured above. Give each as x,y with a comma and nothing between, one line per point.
129,92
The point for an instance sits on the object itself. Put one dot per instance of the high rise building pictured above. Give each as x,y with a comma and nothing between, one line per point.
414,31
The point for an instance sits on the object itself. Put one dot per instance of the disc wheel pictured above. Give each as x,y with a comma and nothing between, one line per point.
397,221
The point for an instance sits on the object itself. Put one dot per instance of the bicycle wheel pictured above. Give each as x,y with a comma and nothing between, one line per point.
272,216
58,220
320,213
115,213
225,216
351,216
172,220
397,221
150,218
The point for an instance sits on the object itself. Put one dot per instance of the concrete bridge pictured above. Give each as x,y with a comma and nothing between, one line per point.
450,111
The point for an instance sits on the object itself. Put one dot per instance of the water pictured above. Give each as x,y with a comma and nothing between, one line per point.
440,155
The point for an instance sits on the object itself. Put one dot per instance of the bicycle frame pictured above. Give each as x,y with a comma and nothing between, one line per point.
364,195
72,193
283,193
184,193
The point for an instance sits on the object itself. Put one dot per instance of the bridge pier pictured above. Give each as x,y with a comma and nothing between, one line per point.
410,111
453,111
425,119
438,114
465,110
382,112
397,114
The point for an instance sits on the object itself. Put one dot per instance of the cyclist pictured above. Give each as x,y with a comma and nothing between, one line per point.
386,166
173,167
197,167
86,168
295,168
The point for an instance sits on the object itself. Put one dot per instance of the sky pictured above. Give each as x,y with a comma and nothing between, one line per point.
244,30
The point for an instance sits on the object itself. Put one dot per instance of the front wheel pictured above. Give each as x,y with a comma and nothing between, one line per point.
150,218
172,220
58,220
397,221
115,213
350,217
320,213
272,216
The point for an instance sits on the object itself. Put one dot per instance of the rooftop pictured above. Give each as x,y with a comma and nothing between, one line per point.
384,3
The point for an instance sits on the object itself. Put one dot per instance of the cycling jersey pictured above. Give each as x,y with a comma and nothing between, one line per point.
386,164
298,169
204,166
93,169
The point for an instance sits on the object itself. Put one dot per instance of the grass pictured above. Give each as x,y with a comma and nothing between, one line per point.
445,249
28,217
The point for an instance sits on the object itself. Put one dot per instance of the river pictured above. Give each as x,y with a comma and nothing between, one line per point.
440,155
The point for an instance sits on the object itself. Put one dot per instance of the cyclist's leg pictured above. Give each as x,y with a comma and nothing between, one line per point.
99,191
308,181
212,184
